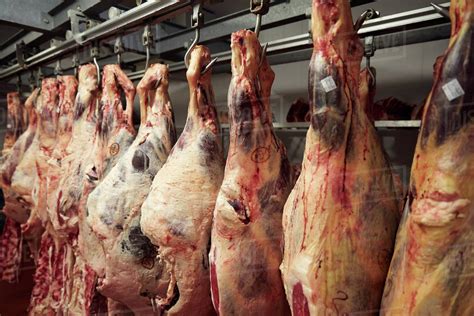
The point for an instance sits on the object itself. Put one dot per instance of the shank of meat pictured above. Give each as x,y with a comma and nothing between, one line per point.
13,207
341,218
128,269
246,235
432,269
177,214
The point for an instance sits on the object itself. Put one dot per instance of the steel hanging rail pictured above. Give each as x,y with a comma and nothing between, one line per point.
158,10
389,31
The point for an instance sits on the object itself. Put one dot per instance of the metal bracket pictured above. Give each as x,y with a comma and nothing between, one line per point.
147,37
58,70
369,46
368,14
78,21
369,51
20,54
75,63
259,8
32,80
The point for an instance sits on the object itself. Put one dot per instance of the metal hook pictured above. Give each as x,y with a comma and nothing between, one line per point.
75,63
147,41
366,15
263,54
443,11
208,66
196,23
259,8
18,84
58,70
95,54
369,51
158,82
118,49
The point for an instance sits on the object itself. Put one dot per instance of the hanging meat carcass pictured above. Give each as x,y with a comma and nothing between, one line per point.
114,136
23,178
341,218
246,235
177,214
13,207
129,271
53,277
84,121
432,268
100,137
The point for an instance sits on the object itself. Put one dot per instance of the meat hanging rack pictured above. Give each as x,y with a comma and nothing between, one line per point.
410,27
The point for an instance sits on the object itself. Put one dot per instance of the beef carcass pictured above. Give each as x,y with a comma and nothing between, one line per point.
246,235
23,178
177,214
13,207
130,273
105,135
53,277
432,268
341,218
63,219
114,136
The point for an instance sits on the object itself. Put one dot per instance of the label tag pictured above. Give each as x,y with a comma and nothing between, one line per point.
453,90
328,84
9,126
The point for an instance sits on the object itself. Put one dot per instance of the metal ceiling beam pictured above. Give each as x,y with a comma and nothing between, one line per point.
386,34
60,22
152,10
29,14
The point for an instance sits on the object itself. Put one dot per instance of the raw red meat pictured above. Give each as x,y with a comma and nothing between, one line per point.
246,235
13,206
130,273
25,173
341,218
177,214
56,259
10,251
432,269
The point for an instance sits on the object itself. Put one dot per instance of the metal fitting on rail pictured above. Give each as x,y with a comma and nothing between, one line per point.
259,8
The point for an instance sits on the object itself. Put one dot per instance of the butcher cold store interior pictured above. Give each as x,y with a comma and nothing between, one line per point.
218,157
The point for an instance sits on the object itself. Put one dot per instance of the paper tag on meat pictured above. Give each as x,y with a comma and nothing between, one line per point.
328,84
453,90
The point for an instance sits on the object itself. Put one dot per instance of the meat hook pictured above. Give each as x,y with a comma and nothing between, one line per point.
263,54
75,63
196,23
197,20
18,84
147,41
95,54
369,51
366,15
259,8
209,66
118,49
443,11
